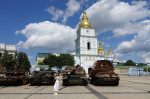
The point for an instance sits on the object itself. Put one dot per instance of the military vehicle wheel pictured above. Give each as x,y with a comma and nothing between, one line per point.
18,83
65,83
24,81
117,83
96,82
92,81
32,82
85,84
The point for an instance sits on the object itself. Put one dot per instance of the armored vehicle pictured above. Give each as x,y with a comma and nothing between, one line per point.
13,78
42,77
74,75
102,73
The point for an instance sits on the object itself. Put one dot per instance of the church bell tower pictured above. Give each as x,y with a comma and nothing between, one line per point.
87,51
86,42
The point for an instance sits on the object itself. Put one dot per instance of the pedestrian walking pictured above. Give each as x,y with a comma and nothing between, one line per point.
56,85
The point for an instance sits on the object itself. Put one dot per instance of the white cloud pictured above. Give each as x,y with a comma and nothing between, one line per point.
105,44
121,17
140,43
72,7
147,60
52,36
55,12
48,35
105,15
145,56
17,32
124,47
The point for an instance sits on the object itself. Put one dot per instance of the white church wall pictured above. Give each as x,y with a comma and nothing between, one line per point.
88,62
86,32
78,33
77,60
93,45
77,41
110,57
100,58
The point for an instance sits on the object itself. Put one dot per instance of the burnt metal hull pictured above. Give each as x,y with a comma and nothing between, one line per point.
112,81
103,73
37,81
75,80
12,82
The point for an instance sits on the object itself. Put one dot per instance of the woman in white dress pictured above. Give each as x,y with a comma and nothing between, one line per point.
56,85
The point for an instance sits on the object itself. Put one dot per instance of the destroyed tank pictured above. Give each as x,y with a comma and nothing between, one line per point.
13,78
42,77
102,73
74,75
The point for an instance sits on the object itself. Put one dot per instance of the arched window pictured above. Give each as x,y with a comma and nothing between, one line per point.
88,46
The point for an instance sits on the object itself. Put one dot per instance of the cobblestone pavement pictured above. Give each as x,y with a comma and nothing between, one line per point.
130,87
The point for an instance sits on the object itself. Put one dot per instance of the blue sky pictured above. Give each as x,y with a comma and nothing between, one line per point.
50,25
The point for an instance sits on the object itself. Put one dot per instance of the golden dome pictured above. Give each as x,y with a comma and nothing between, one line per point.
85,22
110,52
100,49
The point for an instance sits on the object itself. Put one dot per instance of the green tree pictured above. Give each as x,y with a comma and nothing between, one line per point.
145,69
148,69
66,59
129,63
40,63
51,60
0,61
8,61
59,61
23,62
1,67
